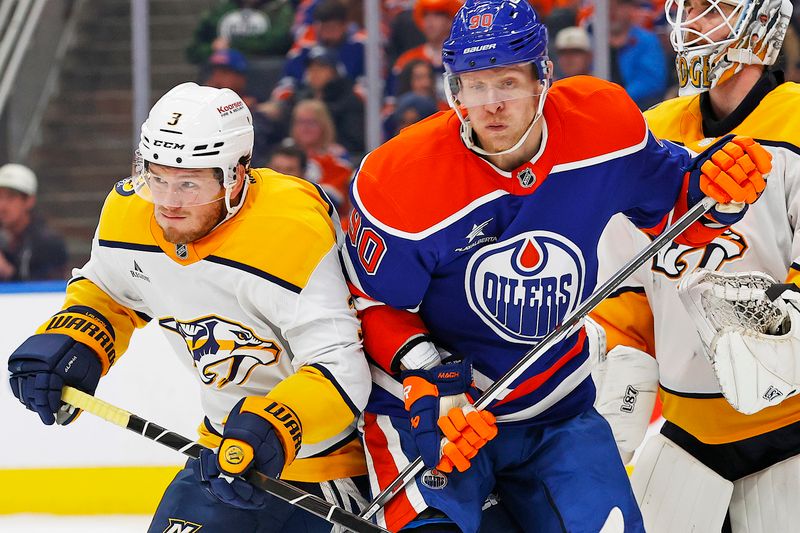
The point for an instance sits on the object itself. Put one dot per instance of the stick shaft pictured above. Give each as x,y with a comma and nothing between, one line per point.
561,331
281,489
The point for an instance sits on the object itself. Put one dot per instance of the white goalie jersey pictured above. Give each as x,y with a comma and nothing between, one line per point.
646,312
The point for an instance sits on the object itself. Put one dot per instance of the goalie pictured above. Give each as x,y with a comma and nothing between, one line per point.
727,456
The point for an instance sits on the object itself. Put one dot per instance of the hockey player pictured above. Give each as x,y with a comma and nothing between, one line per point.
240,268
473,235
725,49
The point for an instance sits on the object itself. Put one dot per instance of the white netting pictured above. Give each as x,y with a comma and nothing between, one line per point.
740,300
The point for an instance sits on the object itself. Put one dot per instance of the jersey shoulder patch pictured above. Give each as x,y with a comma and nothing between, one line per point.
125,217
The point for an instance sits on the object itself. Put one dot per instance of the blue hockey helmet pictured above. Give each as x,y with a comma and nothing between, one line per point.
493,33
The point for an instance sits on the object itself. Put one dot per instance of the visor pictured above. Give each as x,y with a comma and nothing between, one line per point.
491,86
178,188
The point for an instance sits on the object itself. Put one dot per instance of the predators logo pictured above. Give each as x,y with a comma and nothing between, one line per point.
223,351
672,261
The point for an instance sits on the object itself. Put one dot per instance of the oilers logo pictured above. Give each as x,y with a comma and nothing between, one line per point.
223,351
522,288
672,261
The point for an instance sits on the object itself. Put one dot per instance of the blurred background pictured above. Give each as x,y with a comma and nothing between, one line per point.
326,81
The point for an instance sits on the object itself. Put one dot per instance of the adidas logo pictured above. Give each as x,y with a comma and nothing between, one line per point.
137,272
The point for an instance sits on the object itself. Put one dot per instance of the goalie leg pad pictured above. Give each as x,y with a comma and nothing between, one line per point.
676,492
766,501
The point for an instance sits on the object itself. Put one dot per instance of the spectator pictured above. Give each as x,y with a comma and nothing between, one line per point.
228,70
256,27
433,18
417,77
324,80
574,52
403,35
331,30
29,250
288,159
411,108
637,59
313,131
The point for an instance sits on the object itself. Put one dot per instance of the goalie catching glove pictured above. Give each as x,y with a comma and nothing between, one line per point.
440,398
752,340
259,433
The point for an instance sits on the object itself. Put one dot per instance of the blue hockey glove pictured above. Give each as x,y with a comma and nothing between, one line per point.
43,364
440,400
731,171
259,433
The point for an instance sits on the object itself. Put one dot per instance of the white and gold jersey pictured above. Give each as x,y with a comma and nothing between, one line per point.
646,312
259,307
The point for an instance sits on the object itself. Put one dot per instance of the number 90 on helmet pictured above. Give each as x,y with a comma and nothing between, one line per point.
195,127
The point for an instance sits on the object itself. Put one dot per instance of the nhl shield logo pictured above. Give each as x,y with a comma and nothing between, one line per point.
523,288
526,177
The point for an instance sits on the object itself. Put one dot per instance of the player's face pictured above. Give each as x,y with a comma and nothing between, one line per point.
186,222
512,96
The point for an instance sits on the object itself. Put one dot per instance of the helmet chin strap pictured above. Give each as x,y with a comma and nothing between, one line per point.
467,137
233,209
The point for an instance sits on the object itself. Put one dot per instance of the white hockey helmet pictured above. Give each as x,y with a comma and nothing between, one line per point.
749,32
192,126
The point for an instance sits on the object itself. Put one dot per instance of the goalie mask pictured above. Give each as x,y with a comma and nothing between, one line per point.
495,38
714,39
193,127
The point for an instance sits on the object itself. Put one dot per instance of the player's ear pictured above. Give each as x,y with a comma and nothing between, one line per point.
241,175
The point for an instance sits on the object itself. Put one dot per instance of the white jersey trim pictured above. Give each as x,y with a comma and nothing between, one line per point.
604,157
418,236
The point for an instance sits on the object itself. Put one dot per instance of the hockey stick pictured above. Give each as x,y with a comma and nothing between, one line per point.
289,493
556,335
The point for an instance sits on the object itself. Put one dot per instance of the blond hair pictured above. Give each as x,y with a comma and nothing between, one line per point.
322,115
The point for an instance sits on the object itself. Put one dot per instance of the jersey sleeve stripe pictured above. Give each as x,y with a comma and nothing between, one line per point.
330,377
130,246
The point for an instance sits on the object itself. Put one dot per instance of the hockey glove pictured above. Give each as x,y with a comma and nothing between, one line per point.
259,433
43,364
732,172
441,398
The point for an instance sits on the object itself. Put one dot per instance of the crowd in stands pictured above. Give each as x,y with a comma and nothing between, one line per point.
314,105
299,65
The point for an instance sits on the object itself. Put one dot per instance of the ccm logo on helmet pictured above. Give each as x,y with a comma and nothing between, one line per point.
167,144
481,48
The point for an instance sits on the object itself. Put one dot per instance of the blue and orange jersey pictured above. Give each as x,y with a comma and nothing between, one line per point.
486,262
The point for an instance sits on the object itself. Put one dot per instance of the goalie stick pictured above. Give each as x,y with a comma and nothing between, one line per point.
556,335
283,490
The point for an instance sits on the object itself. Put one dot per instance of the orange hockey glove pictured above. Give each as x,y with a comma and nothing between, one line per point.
467,430
731,171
